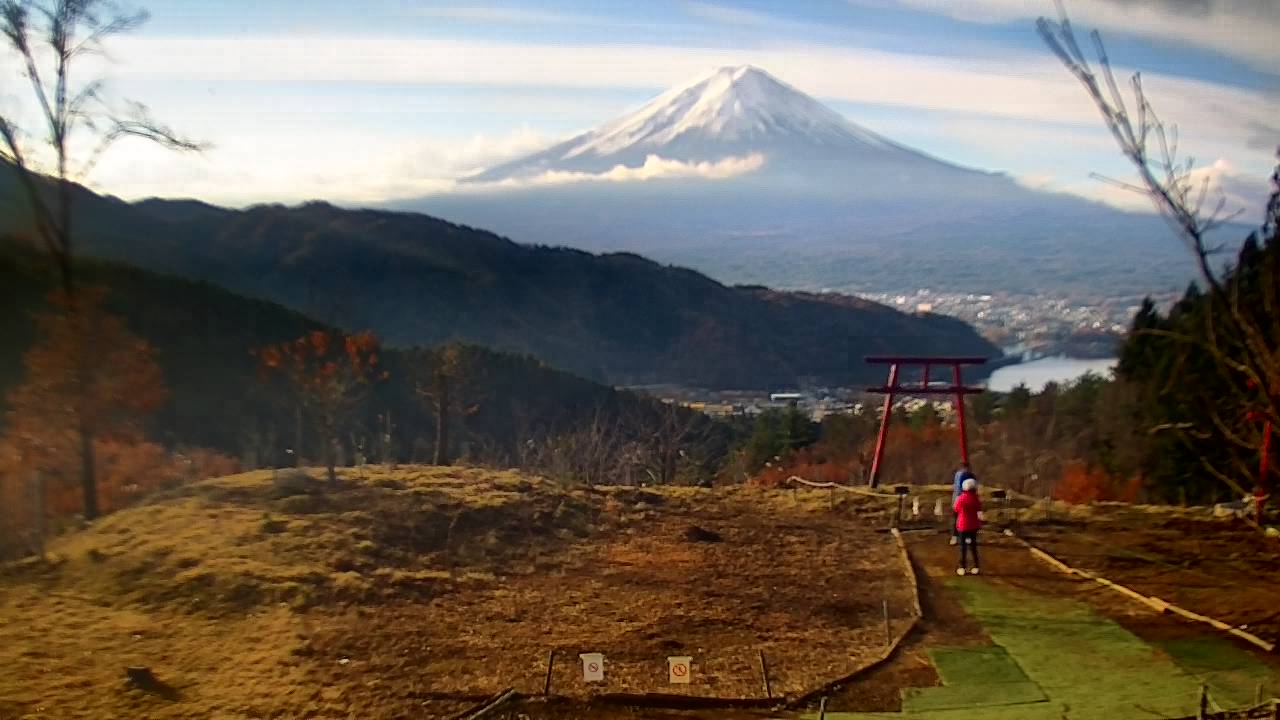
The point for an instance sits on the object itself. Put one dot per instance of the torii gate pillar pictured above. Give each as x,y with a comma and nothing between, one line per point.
893,388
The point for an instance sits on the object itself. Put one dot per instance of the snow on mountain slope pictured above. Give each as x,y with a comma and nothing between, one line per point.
732,104
733,112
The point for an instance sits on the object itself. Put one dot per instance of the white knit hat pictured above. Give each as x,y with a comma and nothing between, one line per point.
969,484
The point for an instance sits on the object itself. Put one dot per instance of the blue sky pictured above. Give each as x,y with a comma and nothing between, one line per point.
361,102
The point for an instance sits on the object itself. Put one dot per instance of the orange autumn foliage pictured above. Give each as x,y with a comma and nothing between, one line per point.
1080,485
126,472
811,464
86,379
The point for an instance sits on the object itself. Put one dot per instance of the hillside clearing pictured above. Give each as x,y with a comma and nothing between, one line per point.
254,597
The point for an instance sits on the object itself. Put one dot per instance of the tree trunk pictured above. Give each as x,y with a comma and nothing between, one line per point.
297,437
668,466
442,421
88,479
331,458
386,444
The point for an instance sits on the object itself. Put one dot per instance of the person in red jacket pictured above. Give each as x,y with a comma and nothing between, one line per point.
967,507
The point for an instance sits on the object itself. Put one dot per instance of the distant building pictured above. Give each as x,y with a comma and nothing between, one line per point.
785,397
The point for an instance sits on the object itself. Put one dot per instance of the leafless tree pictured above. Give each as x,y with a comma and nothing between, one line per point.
591,454
663,439
1242,338
48,38
444,393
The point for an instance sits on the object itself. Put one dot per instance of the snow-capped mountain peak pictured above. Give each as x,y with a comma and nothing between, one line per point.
732,104
734,112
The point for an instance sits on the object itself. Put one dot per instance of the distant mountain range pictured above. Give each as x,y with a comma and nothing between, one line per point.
742,176
417,280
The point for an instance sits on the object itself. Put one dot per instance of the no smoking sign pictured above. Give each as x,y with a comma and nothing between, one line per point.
592,667
678,670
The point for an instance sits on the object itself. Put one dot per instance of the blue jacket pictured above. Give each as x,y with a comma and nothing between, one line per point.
958,483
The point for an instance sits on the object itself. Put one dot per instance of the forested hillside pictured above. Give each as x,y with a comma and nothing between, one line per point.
417,280
508,408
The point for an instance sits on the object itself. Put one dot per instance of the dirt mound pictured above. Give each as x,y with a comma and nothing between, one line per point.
698,534
229,544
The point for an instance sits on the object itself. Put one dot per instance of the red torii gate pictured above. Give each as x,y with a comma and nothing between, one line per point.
892,388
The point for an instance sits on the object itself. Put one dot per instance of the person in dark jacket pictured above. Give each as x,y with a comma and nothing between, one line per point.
967,506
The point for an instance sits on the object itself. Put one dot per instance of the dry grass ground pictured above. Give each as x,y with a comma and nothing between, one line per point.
254,598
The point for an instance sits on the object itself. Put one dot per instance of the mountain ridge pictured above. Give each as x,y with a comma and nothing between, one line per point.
418,280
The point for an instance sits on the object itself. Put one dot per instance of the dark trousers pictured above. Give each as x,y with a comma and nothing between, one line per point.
968,541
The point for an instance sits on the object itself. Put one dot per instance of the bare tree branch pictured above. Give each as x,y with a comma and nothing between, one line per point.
1245,348
61,31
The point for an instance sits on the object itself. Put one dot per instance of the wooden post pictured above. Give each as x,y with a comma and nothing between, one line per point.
768,692
546,684
37,487
888,637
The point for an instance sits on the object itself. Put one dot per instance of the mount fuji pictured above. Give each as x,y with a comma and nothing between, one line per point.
750,180
739,118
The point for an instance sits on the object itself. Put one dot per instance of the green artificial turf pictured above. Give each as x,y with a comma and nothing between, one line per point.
916,700
984,665
1056,658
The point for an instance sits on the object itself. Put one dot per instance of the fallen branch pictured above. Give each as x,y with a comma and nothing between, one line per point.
1261,711
487,706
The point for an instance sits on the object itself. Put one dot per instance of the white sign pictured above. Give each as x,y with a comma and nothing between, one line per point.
679,669
915,506
592,667
937,508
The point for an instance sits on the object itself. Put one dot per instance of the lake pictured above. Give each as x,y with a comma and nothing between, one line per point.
1037,373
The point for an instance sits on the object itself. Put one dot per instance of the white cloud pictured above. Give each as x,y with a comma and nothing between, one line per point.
1229,194
985,103
474,154
1244,29
654,168
510,16
1238,191
325,163
1026,85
